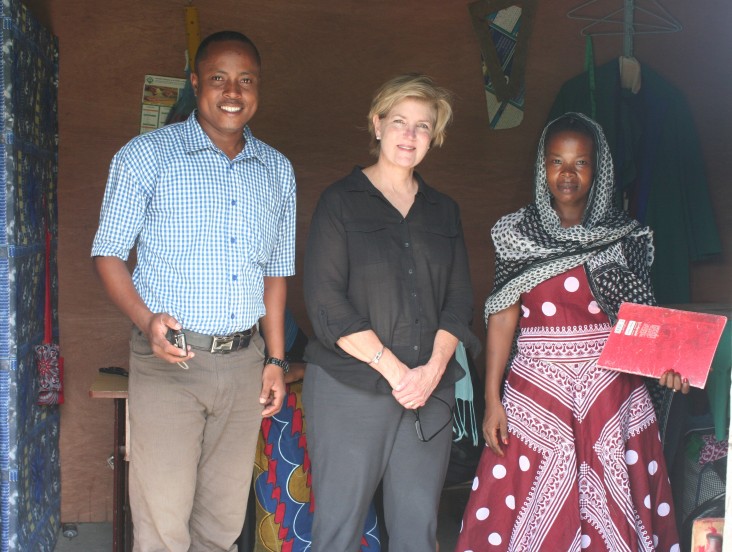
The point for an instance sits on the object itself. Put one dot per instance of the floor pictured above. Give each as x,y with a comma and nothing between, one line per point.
90,537
97,537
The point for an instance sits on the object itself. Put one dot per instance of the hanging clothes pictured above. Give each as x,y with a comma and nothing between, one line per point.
659,168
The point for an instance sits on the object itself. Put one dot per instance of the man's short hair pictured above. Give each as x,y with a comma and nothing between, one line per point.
223,36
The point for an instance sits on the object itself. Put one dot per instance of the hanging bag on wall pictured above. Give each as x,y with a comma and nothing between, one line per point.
49,362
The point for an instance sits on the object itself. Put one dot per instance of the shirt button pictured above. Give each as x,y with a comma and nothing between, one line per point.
406,244
233,202
235,277
411,271
233,240
415,347
416,320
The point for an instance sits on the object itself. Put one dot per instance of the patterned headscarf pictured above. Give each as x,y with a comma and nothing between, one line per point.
532,246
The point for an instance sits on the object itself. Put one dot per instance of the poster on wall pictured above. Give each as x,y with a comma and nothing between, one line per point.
159,94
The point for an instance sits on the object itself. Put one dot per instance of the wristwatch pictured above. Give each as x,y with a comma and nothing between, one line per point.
278,362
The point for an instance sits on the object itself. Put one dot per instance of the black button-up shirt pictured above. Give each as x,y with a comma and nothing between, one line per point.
367,267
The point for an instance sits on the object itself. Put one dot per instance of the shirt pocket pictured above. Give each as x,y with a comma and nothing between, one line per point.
368,242
438,241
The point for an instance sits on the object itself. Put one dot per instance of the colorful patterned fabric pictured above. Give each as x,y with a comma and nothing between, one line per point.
584,466
30,488
282,484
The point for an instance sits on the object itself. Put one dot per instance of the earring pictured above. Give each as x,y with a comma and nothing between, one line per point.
378,137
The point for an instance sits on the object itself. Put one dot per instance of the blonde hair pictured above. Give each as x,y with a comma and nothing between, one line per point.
417,86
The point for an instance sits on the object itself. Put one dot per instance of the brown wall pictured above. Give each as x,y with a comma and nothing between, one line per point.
322,61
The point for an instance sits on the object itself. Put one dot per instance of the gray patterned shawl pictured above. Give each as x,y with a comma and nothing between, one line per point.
531,245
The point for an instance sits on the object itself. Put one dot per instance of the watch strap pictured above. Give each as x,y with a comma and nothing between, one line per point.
278,362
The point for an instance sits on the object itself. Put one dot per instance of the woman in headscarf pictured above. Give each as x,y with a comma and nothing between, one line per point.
573,457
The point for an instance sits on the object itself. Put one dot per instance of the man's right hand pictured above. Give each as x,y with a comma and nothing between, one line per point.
118,284
157,334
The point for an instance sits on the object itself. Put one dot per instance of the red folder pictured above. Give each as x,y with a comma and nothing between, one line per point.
651,340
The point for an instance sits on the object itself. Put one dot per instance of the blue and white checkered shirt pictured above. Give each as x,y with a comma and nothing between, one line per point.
207,229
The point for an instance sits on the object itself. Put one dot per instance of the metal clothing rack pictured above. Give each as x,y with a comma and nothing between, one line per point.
630,20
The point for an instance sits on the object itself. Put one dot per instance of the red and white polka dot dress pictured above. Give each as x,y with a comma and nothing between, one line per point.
584,467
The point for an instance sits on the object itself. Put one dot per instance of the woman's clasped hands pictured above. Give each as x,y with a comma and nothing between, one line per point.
416,386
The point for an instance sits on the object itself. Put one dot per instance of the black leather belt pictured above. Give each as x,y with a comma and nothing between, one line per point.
220,343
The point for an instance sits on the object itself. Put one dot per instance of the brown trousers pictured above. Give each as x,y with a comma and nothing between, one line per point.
193,434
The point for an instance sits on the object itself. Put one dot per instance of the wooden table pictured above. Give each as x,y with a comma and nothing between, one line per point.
111,386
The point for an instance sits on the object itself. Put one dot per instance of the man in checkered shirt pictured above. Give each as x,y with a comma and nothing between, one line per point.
211,212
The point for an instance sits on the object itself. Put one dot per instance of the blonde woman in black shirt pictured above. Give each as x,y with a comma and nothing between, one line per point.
388,292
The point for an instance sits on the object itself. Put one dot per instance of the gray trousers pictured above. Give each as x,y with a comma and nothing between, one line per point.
193,435
358,438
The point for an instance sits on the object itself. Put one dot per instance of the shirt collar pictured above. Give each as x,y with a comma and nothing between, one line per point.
361,183
195,139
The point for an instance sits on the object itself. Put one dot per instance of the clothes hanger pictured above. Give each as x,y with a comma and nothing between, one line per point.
630,20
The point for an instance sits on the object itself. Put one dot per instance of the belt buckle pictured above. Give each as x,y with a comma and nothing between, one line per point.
229,343
223,344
